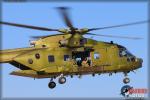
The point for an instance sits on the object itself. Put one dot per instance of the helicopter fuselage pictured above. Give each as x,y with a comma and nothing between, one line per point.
47,58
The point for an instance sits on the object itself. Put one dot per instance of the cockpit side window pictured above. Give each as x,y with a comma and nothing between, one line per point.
124,53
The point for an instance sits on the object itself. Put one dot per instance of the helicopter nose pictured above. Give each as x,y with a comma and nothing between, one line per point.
139,61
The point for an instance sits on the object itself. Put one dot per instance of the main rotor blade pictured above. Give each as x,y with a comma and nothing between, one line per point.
114,36
28,26
121,25
65,14
37,37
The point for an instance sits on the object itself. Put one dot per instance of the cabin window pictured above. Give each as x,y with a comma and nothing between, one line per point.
66,57
51,58
37,56
96,55
30,61
43,46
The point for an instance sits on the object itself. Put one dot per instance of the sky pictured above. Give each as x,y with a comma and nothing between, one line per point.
83,14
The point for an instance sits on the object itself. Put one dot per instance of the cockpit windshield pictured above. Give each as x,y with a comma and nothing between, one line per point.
125,52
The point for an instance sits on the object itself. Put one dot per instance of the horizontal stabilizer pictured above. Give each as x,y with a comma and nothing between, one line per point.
30,73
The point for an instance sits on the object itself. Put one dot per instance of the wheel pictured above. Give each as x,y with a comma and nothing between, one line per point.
62,80
126,80
52,85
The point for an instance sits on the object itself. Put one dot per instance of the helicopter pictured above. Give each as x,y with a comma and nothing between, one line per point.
69,53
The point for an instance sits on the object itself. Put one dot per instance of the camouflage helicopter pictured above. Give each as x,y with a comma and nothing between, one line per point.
69,53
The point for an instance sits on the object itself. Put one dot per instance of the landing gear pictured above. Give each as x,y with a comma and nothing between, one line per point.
126,80
93,74
125,90
51,84
71,76
62,80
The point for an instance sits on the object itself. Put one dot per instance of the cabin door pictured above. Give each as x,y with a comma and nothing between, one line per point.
82,58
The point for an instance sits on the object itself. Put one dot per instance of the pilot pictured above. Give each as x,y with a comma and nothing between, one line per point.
85,62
